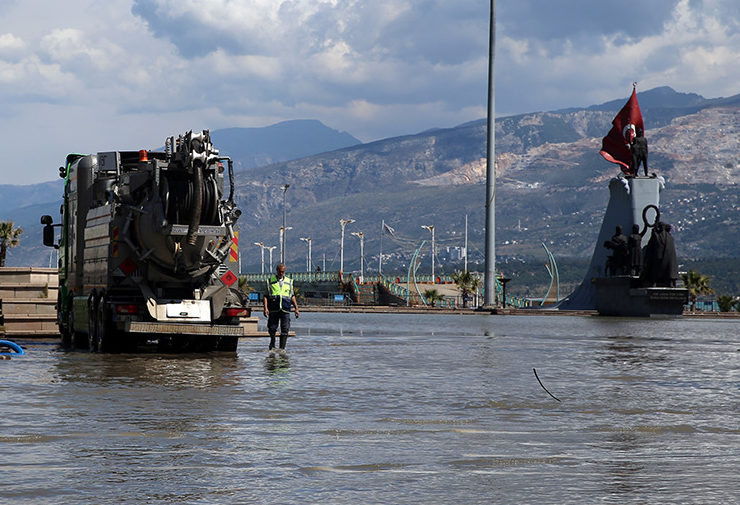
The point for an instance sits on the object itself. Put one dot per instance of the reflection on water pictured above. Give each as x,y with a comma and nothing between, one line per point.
277,363
173,371
385,409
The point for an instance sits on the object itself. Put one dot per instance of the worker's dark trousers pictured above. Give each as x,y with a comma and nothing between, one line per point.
275,319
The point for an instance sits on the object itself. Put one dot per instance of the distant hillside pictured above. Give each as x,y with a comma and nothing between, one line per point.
14,197
289,140
551,188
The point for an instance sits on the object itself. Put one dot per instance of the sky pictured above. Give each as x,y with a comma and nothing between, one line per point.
97,75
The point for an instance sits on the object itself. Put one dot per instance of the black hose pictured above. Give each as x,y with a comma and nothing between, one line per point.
197,208
231,181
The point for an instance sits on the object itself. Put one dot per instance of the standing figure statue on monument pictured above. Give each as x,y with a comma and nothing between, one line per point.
634,249
639,153
661,265
618,262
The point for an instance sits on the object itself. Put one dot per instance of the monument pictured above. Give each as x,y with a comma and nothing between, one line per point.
623,282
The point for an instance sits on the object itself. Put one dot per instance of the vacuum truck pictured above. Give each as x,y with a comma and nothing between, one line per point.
148,249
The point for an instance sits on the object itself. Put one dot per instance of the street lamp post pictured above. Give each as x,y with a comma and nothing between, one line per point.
282,238
342,223
308,258
362,251
431,229
466,243
283,231
271,248
262,250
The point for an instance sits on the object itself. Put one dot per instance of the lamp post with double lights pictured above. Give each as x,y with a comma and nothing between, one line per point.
262,251
431,229
271,248
283,231
342,223
282,237
308,258
362,251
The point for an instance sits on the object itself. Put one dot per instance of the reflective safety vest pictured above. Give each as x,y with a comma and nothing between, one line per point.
278,296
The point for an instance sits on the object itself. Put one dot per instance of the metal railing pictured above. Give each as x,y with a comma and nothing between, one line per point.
298,276
395,285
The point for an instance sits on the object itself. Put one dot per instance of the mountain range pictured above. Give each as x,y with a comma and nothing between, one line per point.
551,186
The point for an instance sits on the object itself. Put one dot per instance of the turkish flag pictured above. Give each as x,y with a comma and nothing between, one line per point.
616,145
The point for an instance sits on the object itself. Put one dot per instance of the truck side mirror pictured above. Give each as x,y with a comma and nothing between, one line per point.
49,236
48,233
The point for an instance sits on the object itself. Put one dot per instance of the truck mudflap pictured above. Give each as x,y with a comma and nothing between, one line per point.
183,329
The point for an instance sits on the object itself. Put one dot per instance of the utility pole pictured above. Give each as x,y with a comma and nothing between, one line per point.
342,223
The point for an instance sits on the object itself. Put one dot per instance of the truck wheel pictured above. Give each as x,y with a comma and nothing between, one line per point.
206,344
227,344
105,335
184,343
63,331
74,337
92,322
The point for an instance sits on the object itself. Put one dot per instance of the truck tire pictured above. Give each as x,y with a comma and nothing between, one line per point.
105,335
227,344
74,337
206,344
92,322
63,330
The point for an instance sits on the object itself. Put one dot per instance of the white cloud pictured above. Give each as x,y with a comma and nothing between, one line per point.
90,74
695,49
12,48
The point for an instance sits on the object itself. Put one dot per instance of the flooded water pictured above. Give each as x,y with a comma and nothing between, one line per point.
379,409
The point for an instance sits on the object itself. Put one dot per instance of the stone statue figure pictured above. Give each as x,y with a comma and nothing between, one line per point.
661,265
634,250
639,148
618,262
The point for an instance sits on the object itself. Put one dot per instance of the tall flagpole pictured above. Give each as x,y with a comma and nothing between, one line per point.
490,274
380,258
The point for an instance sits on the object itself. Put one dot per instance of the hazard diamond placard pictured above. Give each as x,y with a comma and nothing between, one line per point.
229,278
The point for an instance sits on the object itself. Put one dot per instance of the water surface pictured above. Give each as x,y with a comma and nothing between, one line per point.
386,409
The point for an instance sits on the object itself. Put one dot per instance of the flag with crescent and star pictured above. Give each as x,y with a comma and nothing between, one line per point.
616,145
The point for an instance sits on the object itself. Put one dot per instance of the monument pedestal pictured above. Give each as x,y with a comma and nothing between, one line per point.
632,200
624,296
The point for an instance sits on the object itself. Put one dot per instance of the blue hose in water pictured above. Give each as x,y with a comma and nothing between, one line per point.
18,350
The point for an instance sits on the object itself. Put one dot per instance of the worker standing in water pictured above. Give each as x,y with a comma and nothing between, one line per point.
279,297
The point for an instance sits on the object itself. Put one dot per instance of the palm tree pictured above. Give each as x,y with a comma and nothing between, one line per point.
697,285
433,296
726,303
8,238
467,283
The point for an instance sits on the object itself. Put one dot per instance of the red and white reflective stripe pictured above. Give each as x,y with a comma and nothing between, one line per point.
234,252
